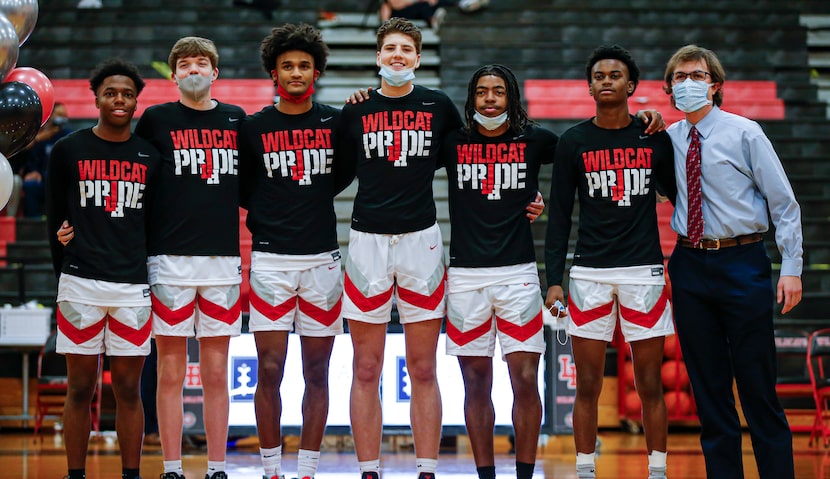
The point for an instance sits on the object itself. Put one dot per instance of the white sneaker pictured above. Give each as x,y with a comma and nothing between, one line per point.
90,4
656,472
438,18
586,471
469,6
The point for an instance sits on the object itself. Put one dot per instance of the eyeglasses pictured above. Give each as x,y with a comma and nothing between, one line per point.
697,75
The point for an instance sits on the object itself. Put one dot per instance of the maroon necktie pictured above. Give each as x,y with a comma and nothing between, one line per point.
694,225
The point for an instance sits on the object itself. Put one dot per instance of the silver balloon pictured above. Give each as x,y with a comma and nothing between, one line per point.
22,14
6,181
9,48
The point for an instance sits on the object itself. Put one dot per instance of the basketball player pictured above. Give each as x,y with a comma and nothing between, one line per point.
101,180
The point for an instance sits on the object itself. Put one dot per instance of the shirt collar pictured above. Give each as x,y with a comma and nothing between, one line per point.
705,125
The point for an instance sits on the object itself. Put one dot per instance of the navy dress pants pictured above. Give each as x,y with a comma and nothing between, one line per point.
723,307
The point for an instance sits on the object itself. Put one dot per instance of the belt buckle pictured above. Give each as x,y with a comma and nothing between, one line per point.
715,248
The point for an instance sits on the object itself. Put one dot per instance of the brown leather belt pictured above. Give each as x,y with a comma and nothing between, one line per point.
716,244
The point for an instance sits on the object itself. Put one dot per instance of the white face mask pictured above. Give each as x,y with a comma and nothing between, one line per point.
396,77
691,95
194,86
490,123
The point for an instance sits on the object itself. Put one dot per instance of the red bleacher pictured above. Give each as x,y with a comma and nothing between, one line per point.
251,95
245,241
8,227
569,99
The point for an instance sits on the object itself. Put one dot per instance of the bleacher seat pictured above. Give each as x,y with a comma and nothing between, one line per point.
251,95
569,99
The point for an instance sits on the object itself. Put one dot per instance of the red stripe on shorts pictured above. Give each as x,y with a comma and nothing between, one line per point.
461,338
365,303
519,332
170,316
322,316
273,313
649,319
227,316
79,336
581,318
135,336
422,301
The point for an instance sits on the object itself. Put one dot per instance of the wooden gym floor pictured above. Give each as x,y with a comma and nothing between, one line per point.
621,456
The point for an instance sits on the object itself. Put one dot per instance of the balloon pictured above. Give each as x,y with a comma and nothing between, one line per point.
40,83
6,181
20,114
22,14
9,49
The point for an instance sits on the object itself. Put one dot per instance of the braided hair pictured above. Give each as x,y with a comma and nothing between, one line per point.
516,113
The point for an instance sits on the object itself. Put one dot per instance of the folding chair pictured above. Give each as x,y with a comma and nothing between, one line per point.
793,385
818,357
53,385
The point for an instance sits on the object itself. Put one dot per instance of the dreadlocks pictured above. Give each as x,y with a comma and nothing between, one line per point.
516,113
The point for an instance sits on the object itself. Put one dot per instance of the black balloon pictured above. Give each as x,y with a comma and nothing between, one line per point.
20,114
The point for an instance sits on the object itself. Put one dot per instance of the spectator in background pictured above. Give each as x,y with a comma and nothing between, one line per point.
34,161
430,11
267,7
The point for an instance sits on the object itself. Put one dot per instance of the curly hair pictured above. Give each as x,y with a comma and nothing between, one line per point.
302,37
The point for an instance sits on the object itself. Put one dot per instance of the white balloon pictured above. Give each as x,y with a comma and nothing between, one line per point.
6,181
9,47
22,14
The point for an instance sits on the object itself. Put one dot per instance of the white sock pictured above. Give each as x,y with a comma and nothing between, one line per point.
657,459
583,459
215,466
271,460
307,461
173,466
369,466
426,465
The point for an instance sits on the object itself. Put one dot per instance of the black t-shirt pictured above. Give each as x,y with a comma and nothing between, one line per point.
198,208
614,173
391,145
491,181
104,189
286,179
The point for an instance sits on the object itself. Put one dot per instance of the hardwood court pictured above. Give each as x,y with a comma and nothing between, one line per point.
621,456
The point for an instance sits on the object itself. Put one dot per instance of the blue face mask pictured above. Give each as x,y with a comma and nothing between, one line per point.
397,77
490,123
691,95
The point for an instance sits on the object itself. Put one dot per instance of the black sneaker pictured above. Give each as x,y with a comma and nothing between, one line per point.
426,475
171,475
369,475
217,475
